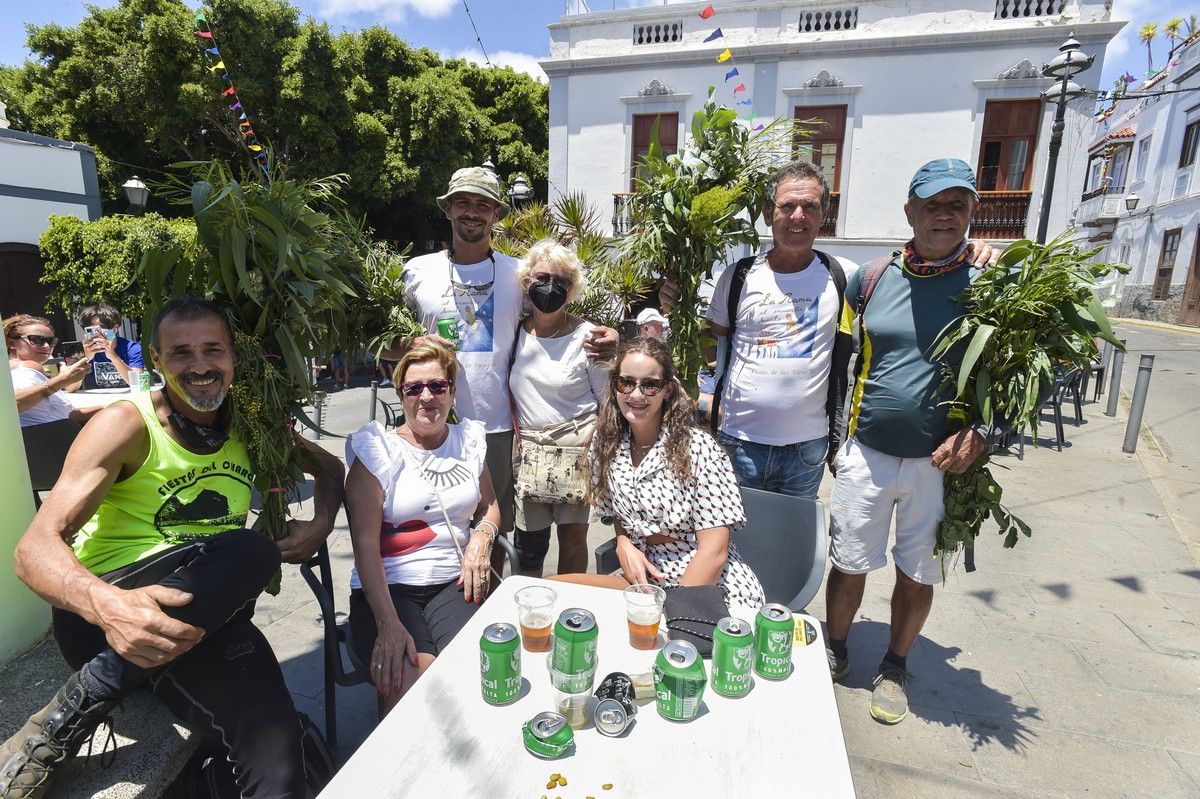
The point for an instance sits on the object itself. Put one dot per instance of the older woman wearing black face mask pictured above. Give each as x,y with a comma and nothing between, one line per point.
556,392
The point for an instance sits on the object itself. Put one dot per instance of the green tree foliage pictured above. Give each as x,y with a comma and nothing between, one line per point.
131,82
96,261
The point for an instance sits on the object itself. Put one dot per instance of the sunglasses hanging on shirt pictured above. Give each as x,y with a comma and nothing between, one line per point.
195,435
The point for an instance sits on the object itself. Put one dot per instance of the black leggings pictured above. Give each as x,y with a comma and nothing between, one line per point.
432,614
229,683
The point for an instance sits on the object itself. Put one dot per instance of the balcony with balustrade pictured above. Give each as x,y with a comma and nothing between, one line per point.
1100,206
1001,215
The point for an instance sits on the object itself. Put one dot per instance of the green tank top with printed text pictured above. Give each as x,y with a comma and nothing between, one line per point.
175,497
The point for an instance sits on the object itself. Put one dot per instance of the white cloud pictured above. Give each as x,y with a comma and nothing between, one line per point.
520,62
388,10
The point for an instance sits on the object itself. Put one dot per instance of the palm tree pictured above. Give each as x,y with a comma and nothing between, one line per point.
1173,30
1146,36
1192,27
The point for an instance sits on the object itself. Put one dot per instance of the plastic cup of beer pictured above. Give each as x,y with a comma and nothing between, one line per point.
535,612
643,611
573,695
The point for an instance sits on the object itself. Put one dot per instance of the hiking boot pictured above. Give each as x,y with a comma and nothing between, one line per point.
889,701
53,734
839,667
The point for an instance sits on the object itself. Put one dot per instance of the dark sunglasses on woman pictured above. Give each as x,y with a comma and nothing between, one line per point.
40,341
649,385
414,389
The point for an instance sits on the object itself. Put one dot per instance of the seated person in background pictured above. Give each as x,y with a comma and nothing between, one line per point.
653,324
30,341
423,517
112,355
667,484
141,550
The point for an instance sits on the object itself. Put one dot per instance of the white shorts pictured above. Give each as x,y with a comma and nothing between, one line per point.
868,485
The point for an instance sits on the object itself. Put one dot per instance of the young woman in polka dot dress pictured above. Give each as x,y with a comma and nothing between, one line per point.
667,484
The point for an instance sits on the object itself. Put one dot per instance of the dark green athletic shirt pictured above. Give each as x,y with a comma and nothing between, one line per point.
896,406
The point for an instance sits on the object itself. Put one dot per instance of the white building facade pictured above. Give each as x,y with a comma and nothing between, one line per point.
39,176
894,83
1142,196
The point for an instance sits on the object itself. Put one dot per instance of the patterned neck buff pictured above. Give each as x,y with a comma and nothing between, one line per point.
919,266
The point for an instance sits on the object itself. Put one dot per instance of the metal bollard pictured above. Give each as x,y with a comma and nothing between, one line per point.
374,395
1114,382
1105,360
319,410
1138,405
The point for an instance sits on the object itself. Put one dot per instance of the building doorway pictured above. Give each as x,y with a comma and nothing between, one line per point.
1189,307
21,270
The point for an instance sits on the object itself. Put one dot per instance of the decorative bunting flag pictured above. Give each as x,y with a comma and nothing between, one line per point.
747,101
731,74
725,56
1129,78
707,12
759,126
1150,73
715,35
741,87
202,29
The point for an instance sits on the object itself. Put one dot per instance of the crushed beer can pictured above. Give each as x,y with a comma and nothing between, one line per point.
616,709
547,735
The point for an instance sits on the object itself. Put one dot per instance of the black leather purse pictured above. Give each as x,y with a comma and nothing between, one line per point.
691,614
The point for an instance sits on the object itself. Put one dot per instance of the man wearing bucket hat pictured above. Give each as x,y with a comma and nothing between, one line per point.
898,443
475,291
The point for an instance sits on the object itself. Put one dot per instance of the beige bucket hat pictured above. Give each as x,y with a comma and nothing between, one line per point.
473,180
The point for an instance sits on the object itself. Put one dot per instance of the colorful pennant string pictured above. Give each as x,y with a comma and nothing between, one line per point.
212,56
724,56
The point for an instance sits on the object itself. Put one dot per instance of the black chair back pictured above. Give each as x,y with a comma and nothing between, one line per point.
46,448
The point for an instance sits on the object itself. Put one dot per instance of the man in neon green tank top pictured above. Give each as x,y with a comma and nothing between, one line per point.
141,550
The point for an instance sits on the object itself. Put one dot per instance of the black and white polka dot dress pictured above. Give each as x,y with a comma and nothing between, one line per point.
650,499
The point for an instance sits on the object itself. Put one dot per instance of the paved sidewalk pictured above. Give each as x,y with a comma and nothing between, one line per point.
1069,666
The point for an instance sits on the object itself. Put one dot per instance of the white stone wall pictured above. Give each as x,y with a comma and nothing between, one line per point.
46,180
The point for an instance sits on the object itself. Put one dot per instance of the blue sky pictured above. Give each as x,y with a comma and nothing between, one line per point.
514,31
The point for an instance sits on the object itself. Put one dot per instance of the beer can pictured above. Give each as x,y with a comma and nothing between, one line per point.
447,328
773,631
500,664
733,657
616,708
574,650
679,680
547,735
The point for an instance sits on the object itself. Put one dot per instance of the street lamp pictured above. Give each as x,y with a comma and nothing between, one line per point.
520,191
137,193
1070,61
490,168
1131,202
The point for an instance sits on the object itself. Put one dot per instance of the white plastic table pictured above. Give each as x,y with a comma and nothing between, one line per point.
442,740
98,397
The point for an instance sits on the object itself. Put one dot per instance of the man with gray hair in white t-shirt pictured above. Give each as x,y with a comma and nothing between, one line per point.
781,360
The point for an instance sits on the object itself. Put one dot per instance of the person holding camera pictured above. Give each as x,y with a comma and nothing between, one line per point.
112,355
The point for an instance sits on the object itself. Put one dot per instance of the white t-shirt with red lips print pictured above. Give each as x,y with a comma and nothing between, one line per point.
414,541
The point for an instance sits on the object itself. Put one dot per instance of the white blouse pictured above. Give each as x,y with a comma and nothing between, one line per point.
553,381
414,541
650,499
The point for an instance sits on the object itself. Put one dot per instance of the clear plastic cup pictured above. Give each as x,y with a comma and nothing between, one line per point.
573,695
535,613
643,612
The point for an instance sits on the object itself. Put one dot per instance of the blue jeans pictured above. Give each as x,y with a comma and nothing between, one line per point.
794,469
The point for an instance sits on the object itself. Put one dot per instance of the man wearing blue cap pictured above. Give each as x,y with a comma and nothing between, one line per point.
898,443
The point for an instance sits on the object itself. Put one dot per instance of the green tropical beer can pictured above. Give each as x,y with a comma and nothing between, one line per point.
773,631
447,328
733,657
547,735
574,652
679,681
500,664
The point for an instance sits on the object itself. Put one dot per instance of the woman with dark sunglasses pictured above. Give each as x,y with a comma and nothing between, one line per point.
423,517
667,484
30,341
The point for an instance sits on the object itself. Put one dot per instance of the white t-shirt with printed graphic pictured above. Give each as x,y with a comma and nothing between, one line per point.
487,326
414,541
778,378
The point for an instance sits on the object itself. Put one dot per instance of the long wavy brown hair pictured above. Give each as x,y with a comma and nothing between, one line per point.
611,426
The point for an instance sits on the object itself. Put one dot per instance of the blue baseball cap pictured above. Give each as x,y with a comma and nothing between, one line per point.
942,174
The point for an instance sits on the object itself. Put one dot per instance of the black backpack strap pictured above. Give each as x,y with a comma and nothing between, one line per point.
839,362
872,272
740,270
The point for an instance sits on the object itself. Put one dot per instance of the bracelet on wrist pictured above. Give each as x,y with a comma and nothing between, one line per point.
491,530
